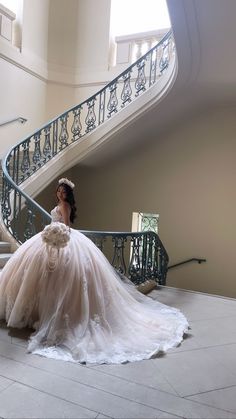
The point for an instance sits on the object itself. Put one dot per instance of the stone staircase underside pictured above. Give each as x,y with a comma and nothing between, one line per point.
89,144
103,135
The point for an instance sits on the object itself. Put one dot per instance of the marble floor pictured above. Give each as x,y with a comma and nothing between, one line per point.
195,380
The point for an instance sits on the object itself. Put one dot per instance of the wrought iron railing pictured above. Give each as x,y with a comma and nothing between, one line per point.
140,256
22,216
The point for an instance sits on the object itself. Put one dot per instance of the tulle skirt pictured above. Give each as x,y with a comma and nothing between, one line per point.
79,308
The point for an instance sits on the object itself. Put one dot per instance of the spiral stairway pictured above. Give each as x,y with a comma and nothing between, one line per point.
159,93
68,139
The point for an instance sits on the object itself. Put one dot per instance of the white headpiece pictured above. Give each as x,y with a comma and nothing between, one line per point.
67,182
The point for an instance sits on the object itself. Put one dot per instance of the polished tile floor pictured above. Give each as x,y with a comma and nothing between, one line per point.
195,380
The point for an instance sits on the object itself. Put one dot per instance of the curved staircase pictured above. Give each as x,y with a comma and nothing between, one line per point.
67,139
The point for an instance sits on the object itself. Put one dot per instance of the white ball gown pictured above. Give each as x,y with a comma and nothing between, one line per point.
82,311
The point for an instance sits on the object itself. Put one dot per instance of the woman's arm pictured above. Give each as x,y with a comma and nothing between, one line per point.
65,212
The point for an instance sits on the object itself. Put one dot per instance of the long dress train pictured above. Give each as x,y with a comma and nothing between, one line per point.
82,311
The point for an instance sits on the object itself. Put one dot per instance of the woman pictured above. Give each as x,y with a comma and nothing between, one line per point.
61,285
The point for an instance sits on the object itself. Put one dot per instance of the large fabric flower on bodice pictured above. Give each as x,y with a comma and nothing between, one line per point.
56,235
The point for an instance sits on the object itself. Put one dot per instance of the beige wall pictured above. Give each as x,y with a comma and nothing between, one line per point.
78,52
78,40
62,42
93,35
35,29
59,64
22,84
61,98
188,177
21,95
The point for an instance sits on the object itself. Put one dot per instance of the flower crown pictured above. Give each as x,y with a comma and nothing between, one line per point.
66,182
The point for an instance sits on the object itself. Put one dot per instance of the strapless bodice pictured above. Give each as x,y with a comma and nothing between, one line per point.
56,215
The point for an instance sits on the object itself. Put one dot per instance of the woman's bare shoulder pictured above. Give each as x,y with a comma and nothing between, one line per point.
65,206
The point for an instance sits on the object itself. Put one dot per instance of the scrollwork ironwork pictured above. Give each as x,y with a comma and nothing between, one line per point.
5,201
153,67
29,230
135,259
37,154
63,137
127,90
148,257
47,147
164,60
118,260
76,126
141,255
91,117
113,101
140,82
102,106
55,137
25,164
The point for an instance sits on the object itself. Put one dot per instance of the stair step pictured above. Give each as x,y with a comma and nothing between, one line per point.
4,257
5,247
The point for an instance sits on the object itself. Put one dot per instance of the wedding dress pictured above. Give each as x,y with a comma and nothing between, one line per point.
81,311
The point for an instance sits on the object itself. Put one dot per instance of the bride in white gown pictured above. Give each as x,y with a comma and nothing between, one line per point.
79,308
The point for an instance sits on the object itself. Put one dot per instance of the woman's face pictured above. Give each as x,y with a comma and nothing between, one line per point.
61,193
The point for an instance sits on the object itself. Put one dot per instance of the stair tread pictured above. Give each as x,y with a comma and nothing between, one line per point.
5,255
5,243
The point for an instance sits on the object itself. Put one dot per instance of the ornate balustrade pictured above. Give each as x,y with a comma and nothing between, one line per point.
130,48
140,256
22,216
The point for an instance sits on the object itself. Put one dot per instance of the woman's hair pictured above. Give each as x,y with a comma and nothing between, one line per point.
70,199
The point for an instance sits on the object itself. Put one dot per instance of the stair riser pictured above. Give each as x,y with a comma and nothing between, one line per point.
3,261
5,248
